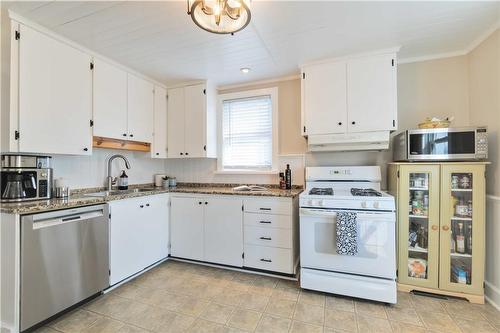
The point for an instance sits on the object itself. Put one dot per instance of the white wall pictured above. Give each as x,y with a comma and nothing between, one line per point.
492,283
90,171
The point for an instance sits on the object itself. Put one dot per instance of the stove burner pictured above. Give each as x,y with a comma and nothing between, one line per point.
321,191
365,192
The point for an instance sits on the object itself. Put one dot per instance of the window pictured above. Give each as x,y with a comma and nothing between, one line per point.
247,131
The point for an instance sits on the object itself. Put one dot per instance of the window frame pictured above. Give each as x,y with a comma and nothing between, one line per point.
273,92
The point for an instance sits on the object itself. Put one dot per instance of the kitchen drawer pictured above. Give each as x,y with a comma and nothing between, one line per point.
268,236
268,206
268,220
269,258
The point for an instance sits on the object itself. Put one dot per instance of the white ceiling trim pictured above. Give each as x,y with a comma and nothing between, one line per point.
475,43
21,19
260,82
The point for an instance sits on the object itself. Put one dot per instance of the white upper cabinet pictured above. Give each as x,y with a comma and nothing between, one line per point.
350,95
159,147
55,96
110,101
191,122
371,93
175,123
140,109
324,98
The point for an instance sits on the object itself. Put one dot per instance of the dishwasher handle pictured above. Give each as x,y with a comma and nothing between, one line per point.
70,218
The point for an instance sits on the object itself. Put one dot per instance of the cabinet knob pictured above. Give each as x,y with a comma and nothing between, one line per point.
181,153
206,203
85,149
142,206
434,227
131,135
199,203
124,134
187,154
157,154
340,123
354,123
446,228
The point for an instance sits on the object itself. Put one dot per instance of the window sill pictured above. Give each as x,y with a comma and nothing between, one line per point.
246,172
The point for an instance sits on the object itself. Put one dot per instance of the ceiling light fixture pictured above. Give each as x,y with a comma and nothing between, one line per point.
220,16
245,70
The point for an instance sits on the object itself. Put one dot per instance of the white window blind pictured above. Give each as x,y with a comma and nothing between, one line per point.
247,133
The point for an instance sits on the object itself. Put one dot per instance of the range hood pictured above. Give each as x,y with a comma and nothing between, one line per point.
349,141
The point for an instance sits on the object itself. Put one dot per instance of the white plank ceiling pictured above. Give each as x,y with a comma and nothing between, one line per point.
160,40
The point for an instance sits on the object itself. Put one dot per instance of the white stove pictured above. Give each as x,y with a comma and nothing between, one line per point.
371,273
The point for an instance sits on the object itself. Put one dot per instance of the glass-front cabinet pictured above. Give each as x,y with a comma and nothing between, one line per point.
419,225
441,226
462,228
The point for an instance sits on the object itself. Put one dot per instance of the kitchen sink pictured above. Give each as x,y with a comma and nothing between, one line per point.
118,192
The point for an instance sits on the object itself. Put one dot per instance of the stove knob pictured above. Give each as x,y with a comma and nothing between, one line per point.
376,205
363,204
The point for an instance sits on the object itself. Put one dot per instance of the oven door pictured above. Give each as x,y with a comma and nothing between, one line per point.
376,243
442,144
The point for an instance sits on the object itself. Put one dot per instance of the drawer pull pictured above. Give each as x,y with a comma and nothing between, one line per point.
264,208
265,222
266,260
265,238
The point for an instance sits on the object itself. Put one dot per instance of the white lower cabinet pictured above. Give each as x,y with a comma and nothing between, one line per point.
271,234
207,228
186,228
139,234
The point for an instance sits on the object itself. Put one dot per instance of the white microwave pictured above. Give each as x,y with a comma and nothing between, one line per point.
441,144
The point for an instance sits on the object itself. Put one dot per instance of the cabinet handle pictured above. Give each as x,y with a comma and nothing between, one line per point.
265,238
354,123
266,260
85,149
266,222
265,208
446,228
340,123
434,227
142,206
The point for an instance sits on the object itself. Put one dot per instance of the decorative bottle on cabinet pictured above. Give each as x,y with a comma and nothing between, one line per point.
441,226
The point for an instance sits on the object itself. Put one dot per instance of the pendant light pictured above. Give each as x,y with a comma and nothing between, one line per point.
220,16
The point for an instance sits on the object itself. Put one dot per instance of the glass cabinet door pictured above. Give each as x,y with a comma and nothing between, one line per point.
462,228
418,225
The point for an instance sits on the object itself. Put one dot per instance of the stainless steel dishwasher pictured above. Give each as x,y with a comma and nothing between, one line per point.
64,260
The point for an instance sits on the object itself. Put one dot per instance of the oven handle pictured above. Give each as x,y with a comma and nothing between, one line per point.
333,213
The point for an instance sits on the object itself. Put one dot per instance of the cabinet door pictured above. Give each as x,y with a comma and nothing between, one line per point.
126,239
324,98
140,109
155,243
110,101
462,228
159,147
175,123
195,125
186,228
55,96
371,93
224,231
418,220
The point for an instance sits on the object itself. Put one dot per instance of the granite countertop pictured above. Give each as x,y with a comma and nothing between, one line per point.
81,197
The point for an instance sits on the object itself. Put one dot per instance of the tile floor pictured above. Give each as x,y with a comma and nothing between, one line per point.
181,297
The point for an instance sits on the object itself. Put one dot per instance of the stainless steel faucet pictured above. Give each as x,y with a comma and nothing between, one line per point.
110,179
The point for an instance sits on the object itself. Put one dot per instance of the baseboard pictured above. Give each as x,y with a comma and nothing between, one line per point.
492,294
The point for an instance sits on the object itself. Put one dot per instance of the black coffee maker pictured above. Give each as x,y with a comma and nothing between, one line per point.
25,177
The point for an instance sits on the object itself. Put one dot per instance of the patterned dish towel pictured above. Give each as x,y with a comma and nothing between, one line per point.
347,236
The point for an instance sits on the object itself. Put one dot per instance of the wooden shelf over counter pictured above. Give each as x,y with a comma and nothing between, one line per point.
101,142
